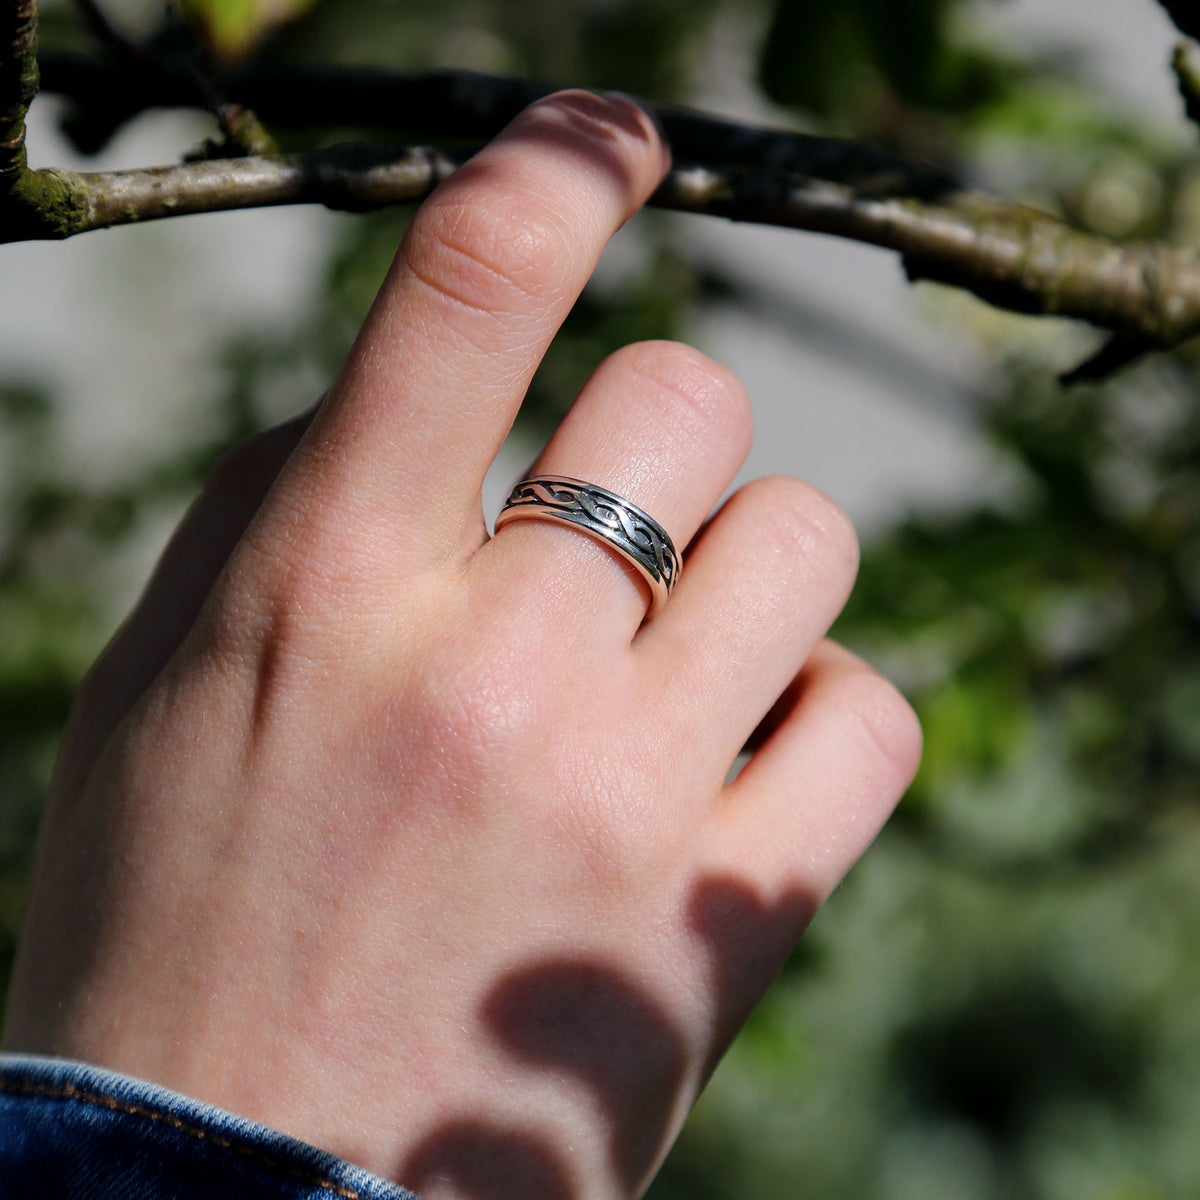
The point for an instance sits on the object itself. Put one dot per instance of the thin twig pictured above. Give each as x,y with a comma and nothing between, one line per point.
1115,353
242,132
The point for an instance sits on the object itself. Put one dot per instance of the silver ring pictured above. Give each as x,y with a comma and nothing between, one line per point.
630,531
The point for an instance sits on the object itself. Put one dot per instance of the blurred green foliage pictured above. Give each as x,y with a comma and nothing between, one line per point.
1000,1002
817,55
232,28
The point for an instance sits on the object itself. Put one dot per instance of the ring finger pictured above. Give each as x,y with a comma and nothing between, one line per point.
662,426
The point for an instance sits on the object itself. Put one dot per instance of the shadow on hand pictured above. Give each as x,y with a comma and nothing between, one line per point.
595,1022
485,1162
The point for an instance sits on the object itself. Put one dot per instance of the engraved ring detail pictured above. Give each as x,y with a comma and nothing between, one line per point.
633,533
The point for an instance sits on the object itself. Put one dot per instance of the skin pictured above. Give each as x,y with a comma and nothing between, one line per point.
419,846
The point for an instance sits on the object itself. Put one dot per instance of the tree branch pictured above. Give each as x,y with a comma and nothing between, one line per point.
18,85
353,178
452,106
1011,256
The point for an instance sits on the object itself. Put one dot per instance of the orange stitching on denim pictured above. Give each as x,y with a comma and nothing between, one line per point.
70,1092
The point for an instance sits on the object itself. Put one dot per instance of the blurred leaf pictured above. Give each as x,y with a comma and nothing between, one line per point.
971,724
818,56
231,29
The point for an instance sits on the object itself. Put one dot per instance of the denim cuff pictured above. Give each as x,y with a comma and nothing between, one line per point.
70,1131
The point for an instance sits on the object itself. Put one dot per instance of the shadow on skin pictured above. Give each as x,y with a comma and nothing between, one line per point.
483,1162
590,1020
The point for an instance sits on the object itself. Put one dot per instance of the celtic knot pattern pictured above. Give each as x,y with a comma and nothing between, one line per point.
640,538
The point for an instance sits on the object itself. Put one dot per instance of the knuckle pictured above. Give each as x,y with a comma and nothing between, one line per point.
886,720
803,525
494,258
476,708
697,391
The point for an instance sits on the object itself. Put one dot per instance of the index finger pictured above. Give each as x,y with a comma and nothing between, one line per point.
485,275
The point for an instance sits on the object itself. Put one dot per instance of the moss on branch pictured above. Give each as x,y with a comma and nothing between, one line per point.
18,85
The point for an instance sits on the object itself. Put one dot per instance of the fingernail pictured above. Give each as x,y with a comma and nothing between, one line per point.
642,106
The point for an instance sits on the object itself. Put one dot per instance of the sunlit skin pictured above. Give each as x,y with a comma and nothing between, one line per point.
419,846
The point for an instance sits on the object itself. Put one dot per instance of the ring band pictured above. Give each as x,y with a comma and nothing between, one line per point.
633,533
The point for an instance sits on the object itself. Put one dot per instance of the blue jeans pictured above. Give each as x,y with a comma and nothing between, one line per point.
69,1131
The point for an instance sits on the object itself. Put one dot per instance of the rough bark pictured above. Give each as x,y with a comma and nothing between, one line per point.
18,85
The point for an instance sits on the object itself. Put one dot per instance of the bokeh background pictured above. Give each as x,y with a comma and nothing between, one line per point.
1002,1000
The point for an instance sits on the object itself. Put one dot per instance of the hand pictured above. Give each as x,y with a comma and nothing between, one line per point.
417,845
